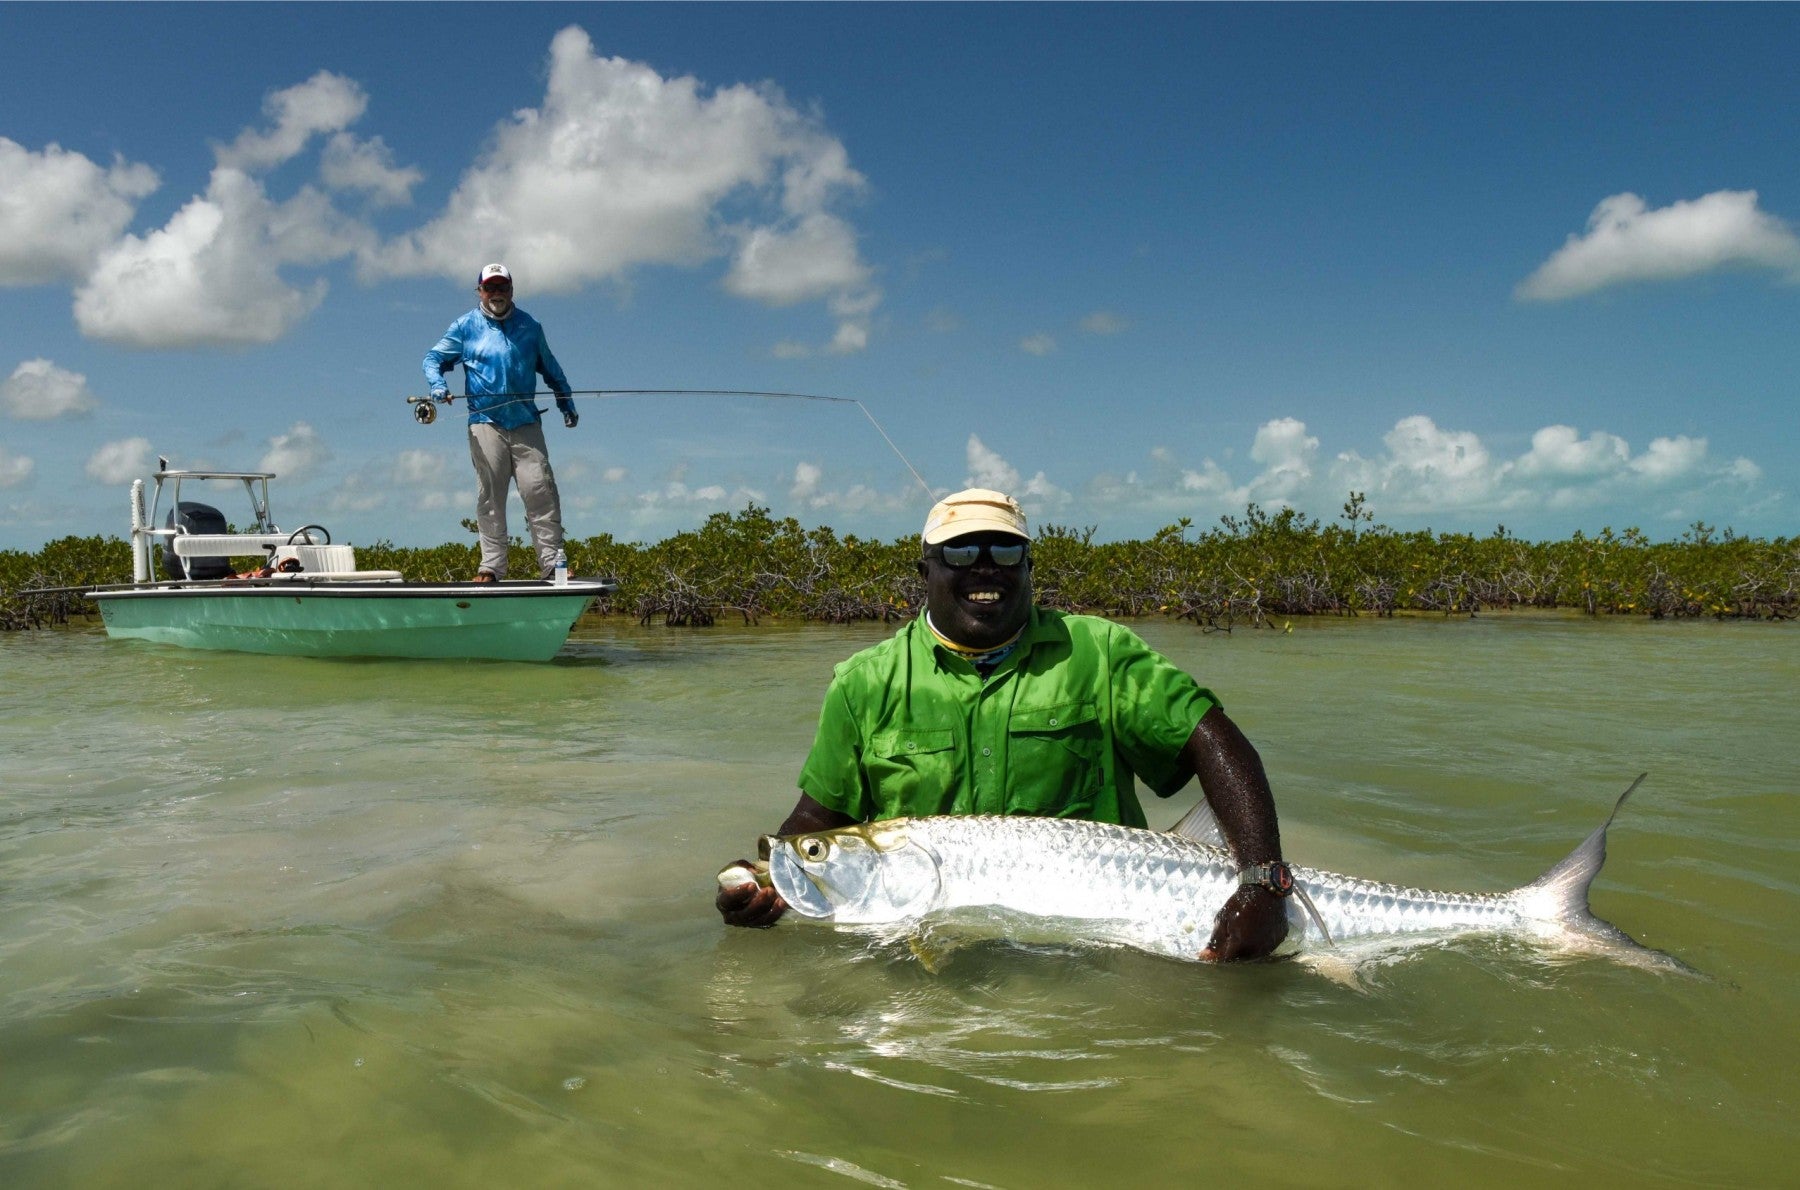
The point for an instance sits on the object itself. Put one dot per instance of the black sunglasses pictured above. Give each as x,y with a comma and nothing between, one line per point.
961,557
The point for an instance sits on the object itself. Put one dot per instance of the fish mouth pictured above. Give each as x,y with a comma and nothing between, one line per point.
796,886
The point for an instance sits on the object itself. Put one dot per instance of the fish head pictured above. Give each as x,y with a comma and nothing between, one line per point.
870,873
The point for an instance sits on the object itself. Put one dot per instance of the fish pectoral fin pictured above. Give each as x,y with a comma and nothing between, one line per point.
1201,825
933,953
1336,966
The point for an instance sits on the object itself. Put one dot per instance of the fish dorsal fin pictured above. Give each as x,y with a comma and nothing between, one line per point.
1200,825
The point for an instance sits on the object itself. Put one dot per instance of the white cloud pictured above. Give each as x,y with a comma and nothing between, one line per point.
1211,480
1283,447
58,210
784,266
120,462
620,167
419,467
294,454
1435,467
851,337
987,469
942,321
211,276
1427,473
1626,242
806,481
1560,451
614,475
14,469
367,166
1673,458
1103,322
38,390
1038,344
324,103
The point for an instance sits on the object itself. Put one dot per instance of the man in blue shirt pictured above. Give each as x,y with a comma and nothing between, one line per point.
503,352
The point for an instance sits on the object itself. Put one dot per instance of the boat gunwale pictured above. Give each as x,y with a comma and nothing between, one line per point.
356,589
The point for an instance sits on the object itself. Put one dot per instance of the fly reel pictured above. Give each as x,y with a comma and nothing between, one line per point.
425,411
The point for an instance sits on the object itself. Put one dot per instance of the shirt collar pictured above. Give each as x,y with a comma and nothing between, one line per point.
1020,644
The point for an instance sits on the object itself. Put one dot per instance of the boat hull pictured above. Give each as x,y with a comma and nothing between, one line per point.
503,621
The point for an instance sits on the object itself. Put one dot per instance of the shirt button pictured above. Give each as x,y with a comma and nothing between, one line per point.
1053,721
987,751
911,747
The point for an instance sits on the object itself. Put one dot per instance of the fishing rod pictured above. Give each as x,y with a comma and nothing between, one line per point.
425,411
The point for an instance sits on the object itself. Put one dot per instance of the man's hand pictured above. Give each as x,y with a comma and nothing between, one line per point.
749,904
570,417
1252,923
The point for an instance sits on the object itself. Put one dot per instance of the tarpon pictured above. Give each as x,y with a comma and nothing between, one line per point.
1063,880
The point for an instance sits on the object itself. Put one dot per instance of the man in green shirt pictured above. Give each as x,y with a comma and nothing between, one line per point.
988,705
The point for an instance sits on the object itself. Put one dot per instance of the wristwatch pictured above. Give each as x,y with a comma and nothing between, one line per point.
1273,876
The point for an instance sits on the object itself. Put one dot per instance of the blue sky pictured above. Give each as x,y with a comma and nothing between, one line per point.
1523,265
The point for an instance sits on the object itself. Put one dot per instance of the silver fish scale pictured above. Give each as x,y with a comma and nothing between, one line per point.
1160,891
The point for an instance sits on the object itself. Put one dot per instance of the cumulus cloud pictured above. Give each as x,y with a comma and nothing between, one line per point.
324,103
59,210
1103,322
295,453
14,469
621,167
367,166
120,462
1428,472
1286,452
38,390
987,469
1675,458
1431,470
1038,344
783,266
211,276
1561,452
416,467
1626,242
806,481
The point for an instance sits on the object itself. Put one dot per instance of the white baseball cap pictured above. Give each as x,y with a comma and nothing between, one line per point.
974,510
489,272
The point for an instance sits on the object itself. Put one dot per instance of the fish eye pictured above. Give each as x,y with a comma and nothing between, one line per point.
814,849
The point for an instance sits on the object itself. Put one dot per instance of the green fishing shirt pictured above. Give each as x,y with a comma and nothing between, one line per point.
1059,729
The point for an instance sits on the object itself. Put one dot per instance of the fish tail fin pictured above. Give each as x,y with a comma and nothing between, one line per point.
1559,900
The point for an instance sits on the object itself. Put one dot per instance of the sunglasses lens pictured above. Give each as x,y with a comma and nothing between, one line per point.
961,556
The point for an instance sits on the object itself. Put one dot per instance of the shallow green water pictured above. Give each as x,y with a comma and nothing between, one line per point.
279,922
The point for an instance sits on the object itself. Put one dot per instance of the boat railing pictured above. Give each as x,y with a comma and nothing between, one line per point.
317,563
221,545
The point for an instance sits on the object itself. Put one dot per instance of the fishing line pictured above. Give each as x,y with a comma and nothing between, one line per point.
424,411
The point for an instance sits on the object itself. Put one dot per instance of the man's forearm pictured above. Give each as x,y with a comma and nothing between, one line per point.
1231,775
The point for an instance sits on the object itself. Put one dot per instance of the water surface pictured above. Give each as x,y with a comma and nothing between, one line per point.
270,921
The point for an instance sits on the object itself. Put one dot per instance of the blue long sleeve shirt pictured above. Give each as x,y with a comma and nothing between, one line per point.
504,356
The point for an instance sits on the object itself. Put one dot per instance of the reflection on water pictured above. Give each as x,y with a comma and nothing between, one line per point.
284,922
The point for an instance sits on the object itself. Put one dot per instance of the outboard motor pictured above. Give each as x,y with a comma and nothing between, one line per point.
195,518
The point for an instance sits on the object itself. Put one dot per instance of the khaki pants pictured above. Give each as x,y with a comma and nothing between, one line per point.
504,456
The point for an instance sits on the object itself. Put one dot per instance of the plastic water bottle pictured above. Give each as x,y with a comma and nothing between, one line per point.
562,568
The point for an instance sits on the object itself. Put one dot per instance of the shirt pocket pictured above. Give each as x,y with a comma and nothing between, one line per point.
912,771
1054,763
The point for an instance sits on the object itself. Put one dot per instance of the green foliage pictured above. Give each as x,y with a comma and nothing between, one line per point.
67,562
1246,571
